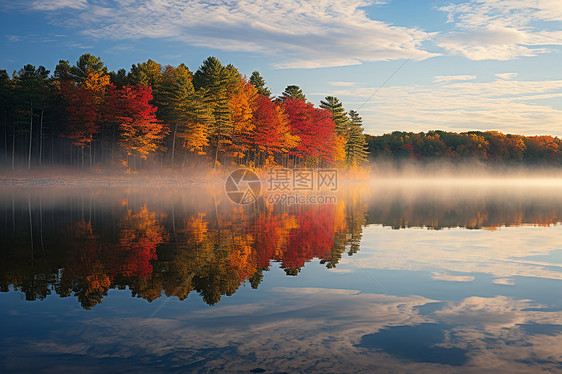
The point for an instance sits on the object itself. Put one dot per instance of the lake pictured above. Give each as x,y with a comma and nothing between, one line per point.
394,276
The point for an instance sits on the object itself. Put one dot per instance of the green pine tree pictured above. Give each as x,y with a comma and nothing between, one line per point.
293,92
339,116
356,146
257,81
213,81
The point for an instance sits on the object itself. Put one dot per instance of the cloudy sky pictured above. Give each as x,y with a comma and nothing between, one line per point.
404,65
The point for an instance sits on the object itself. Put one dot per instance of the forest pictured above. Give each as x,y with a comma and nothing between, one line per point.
85,116
487,146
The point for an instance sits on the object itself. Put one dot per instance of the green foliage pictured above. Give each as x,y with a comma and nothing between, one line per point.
119,78
148,73
86,64
257,81
339,116
293,92
356,145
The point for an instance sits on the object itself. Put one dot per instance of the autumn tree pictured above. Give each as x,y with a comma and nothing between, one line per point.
272,133
242,104
83,88
140,132
315,129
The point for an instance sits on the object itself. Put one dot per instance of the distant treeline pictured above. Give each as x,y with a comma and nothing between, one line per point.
487,146
86,116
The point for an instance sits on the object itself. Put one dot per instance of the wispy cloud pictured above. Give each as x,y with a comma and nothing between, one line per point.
507,105
502,29
449,78
452,278
342,84
296,33
13,38
79,45
507,75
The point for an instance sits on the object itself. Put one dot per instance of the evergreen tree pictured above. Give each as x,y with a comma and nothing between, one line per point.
293,92
184,109
147,73
31,84
339,116
356,146
119,78
259,83
213,80
85,65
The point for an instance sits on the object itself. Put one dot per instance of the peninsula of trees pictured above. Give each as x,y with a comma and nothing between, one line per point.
85,116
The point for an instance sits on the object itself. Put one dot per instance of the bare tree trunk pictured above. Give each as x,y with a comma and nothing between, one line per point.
174,144
13,144
217,151
30,136
41,139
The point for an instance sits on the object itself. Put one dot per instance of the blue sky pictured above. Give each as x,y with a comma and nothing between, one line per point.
476,64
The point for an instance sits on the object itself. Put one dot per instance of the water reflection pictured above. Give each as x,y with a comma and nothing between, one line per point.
87,243
390,279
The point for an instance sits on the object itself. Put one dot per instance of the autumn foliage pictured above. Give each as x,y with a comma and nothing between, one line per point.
173,117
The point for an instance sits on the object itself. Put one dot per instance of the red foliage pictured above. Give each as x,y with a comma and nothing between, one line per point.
267,135
130,108
83,114
313,126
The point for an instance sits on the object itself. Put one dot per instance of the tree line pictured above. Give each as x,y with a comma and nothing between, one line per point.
486,146
84,115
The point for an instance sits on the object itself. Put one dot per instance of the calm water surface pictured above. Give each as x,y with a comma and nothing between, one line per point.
394,278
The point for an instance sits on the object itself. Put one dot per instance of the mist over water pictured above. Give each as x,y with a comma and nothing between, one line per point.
437,269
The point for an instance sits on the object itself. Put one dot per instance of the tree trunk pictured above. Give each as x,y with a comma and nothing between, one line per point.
30,136
217,152
13,143
174,144
41,139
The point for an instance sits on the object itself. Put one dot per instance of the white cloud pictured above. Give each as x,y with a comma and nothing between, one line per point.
452,278
13,38
296,33
507,75
342,84
449,78
504,281
504,253
506,105
502,29
58,4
